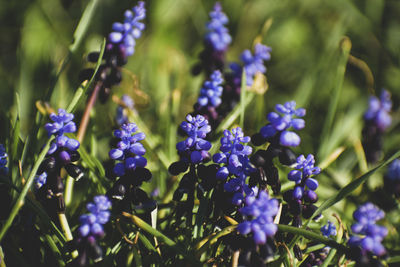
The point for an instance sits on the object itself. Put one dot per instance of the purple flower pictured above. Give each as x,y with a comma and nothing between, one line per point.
40,180
369,234
91,223
304,169
393,172
3,160
282,120
218,35
121,117
210,94
129,151
328,229
378,111
125,34
253,64
260,212
195,147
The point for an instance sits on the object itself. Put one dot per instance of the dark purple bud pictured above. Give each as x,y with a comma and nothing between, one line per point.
178,167
64,157
93,57
287,156
48,165
310,196
74,171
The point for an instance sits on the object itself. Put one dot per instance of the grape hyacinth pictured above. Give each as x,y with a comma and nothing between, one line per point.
302,175
3,160
392,178
124,34
216,43
260,212
91,229
120,45
210,94
377,120
62,153
367,239
328,229
130,166
253,64
195,148
236,164
280,123
218,35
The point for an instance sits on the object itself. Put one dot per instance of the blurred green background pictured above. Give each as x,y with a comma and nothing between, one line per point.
306,65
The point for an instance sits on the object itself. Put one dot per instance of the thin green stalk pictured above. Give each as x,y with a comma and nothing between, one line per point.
20,200
2,262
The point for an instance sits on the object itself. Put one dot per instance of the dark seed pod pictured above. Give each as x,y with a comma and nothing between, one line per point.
257,139
117,191
75,156
93,57
310,196
178,194
261,158
74,171
49,165
295,207
308,211
297,252
178,167
287,156
143,174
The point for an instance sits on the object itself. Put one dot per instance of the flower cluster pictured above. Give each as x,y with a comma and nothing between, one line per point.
253,64
328,229
210,94
377,120
129,151
124,34
62,123
195,147
62,153
261,212
216,43
369,234
218,35
392,178
281,121
91,223
3,160
126,103
91,229
304,169
120,44
378,111
236,164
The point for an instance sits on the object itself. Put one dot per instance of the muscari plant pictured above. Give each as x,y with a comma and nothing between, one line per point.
230,199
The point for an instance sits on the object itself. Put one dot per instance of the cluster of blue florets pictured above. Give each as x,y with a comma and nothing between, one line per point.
369,235
281,121
304,169
195,147
92,223
3,160
125,34
393,172
328,229
260,212
62,123
236,164
218,35
211,92
378,111
129,151
253,64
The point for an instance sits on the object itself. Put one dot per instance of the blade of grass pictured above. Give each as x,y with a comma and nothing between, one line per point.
345,47
2,262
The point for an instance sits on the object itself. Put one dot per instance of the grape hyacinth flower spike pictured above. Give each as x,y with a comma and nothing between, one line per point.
120,45
377,119
260,212
62,154
236,166
280,123
91,230
121,117
368,236
216,42
129,170
252,64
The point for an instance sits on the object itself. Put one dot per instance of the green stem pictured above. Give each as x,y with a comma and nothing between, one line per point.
20,200
2,262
